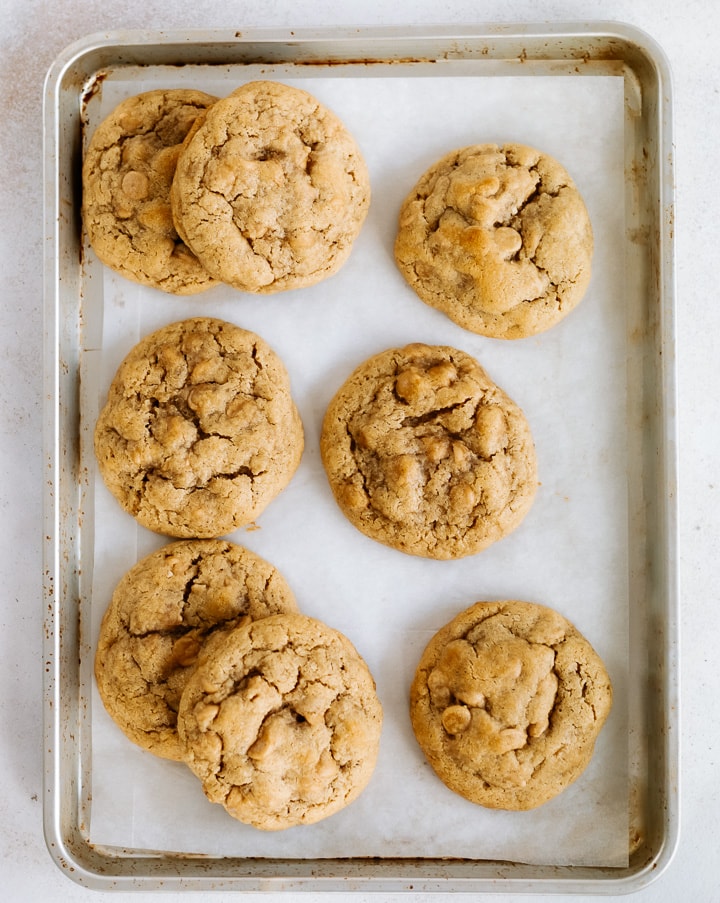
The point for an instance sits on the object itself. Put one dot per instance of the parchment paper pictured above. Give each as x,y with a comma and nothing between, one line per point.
570,552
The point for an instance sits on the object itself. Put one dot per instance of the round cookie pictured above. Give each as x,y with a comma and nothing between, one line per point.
497,238
167,612
282,724
271,190
199,432
127,173
507,702
424,453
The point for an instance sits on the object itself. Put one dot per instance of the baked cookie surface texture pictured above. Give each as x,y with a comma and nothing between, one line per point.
127,172
497,238
271,190
199,432
165,614
282,724
424,453
507,702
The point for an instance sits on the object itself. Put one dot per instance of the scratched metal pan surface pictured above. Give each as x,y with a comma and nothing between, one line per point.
71,285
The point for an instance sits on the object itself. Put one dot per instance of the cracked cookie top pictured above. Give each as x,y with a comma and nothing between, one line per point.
271,190
497,238
424,453
167,612
127,172
507,702
199,432
282,723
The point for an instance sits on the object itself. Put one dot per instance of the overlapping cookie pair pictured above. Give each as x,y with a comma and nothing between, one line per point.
264,190
203,657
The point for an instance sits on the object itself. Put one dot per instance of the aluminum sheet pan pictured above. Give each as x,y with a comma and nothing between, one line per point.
630,326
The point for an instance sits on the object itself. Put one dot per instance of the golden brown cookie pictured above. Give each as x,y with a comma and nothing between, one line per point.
424,453
167,612
271,190
282,723
497,238
127,173
199,432
507,702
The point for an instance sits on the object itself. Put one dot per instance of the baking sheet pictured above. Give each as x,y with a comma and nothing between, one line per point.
73,353
570,553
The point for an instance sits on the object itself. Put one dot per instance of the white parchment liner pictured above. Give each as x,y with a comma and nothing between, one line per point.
570,553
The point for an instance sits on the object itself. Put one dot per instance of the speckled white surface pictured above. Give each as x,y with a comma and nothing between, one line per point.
32,33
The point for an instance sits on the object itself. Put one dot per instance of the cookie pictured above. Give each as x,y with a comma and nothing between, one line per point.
282,724
497,238
167,612
424,453
271,190
126,177
199,432
507,702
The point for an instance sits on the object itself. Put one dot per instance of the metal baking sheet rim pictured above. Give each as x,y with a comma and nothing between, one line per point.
513,49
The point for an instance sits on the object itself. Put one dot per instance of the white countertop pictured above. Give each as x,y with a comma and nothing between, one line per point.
32,34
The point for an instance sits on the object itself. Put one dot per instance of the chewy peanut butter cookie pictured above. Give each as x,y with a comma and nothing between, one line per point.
424,453
127,173
199,432
282,723
166,612
507,702
270,190
497,238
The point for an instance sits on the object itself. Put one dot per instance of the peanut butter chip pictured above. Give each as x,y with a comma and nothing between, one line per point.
185,651
507,702
135,185
456,719
426,454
